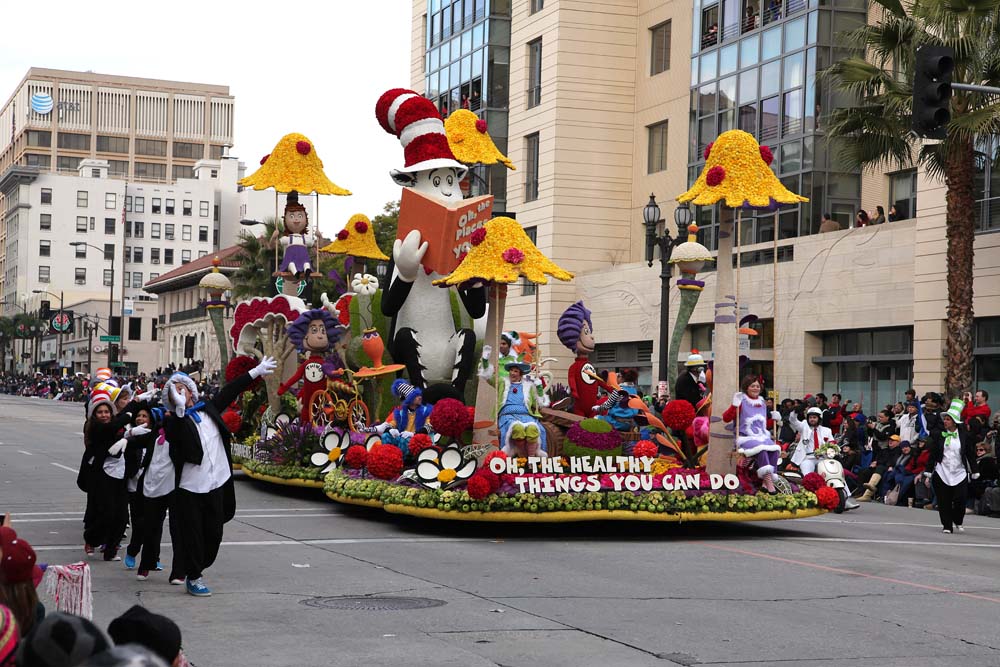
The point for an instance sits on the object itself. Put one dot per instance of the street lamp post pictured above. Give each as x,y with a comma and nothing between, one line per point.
666,243
60,331
111,293
13,347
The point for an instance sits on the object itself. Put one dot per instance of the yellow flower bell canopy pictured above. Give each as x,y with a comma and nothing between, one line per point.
736,171
294,164
502,253
470,142
357,239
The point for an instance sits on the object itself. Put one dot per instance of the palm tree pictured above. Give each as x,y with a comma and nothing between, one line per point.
876,134
253,277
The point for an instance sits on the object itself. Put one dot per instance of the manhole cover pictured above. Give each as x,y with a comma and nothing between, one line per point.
373,603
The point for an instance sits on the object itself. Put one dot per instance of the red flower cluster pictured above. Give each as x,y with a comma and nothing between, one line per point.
485,465
232,420
450,417
239,365
766,155
813,481
356,457
361,226
385,461
343,234
678,414
481,126
419,442
513,256
256,310
303,147
708,149
828,497
478,487
645,448
264,159
478,236
715,175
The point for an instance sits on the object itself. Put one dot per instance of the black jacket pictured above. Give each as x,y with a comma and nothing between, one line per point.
687,388
935,445
97,439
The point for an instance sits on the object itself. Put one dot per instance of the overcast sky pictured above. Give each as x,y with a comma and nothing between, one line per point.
294,66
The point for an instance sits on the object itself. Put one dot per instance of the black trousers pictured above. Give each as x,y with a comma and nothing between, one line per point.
950,501
136,515
200,520
154,514
108,506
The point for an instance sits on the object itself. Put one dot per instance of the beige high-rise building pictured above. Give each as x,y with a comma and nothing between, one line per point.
603,104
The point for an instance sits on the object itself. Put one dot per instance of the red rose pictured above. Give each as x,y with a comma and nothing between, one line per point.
232,421
478,487
419,443
478,236
708,149
361,226
356,457
827,497
645,448
303,147
385,461
264,159
715,175
513,256
813,481
485,465
481,125
766,154
678,414
239,365
450,418
343,234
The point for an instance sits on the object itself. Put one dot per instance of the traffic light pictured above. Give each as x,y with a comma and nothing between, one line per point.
44,310
932,91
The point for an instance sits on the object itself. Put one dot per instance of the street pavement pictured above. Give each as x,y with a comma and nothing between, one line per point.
879,586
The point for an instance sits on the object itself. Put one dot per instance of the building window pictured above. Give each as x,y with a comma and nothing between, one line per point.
128,203
153,322
95,173
202,253
109,226
203,209
529,288
185,232
152,277
150,147
534,72
183,171
214,173
185,256
137,255
531,167
126,279
137,279
137,229
46,195
186,207
81,198
189,150
65,163
150,171
903,194
134,328
536,5
110,200
156,205
657,157
710,26
659,55
128,254
118,168
80,276
43,274
45,248
154,230
45,221
154,255
109,277
40,161
168,231
168,255
140,204
169,208
109,251
39,138
203,234
214,152
81,223
91,223
215,213
106,144
74,142
81,251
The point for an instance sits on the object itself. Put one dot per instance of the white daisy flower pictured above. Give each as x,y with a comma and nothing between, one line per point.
442,469
365,285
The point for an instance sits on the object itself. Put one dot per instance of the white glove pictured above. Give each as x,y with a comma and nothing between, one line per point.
406,434
118,447
487,351
147,395
738,399
139,430
975,475
927,474
775,415
394,432
407,256
265,367
177,400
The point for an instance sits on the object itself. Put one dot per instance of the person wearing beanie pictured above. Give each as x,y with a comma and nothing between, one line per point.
19,575
127,655
200,450
880,464
407,418
908,423
157,633
952,463
9,636
897,474
61,640
139,438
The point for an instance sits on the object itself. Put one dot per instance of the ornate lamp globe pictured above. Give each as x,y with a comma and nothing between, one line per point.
216,283
690,256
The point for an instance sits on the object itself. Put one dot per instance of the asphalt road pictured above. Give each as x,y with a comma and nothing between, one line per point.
880,586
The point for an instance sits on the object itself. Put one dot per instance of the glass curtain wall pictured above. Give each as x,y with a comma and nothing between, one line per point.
987,186
467,66
754,67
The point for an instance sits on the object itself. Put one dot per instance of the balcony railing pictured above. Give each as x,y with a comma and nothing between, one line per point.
189,314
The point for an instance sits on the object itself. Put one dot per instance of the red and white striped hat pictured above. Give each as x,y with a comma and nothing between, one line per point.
416,122
103,374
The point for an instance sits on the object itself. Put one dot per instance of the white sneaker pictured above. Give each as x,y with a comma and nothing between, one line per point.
176,582
961,529
946,530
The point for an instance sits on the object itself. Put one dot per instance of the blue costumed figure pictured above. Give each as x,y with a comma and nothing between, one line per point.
521,396
407,418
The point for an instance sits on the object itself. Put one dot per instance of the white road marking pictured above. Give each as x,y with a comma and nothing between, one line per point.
238,511
894,523
905,542
25,453
285,543
238,516
59,465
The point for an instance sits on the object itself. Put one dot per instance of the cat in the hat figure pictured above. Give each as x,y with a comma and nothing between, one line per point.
424,336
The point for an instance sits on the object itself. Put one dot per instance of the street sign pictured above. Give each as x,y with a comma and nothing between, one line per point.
118,364
111,339
128,307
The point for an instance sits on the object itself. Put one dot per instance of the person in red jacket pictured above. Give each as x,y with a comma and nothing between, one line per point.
976,406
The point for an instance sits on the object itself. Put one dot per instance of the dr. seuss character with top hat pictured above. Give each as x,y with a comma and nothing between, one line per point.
424,336
296,238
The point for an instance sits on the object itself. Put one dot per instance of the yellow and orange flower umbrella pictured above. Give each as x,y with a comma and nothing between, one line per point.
470,142
294,164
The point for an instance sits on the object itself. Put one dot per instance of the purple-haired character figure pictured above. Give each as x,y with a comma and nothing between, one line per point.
314,332
576,332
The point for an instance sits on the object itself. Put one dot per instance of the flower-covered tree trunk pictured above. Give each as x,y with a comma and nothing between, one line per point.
960,223
220,335
726,355
689,299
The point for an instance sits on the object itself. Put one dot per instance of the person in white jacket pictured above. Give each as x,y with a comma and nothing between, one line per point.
811,436
909,423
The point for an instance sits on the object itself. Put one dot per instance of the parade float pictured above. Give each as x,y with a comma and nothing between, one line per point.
387,398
